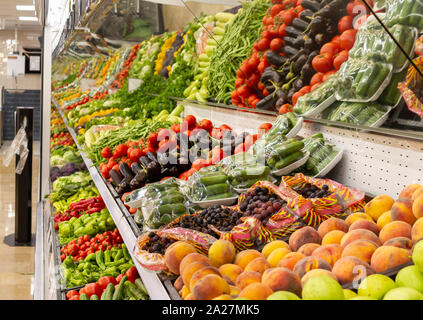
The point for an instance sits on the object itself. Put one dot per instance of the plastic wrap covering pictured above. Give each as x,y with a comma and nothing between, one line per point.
150,247
280,154
209,183
405,12
333,199
359,113
362,80
412,88
160,203
318,97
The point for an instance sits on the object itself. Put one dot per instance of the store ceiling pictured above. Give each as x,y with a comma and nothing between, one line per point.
9,15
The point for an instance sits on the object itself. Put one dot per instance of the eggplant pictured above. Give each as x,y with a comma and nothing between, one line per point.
290,51
312,55
290,41
139,180
293,32
311,5
299,24
151,156
270,76
299,63
299,42
173,171
307,72
125,170
123,187
135,167
270,88
298,84
280,102
281,94
116,176
144,161
291,94
309,44
297,55
316,26
306,16
153,170
275,58
321,39
268,103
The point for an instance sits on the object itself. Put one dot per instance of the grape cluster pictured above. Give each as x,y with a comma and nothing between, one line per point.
261,204
224,219
312,191
157,244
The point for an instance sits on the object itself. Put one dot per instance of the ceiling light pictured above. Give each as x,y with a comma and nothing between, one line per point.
28,18
25,8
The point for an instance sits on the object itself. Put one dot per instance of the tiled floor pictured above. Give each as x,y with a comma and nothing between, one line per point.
16,263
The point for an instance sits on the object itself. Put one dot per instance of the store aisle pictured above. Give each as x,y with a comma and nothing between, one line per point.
16,263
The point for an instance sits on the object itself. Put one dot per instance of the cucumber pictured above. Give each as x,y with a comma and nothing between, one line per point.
289,160
175,208
170,199
84,296
216,189
319,156
377,79
141,286
94,297
213,179
286,149
220,196
118,294
250,171
368,79
315,145
133,291
108,293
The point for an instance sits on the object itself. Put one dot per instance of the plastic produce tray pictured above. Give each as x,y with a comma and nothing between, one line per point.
288,169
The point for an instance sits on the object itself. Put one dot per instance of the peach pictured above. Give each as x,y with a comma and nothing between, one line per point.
290,260
417,230
333,237
209,287
303,236
184,292
365,224
246,256
190,269
178,284
221,252
317,272
201,273
395,229
189,296
246,278
402,210
408,191
378,205
309,263
175,253
329,253
400,242
362,249
195,256
418,207
268,248
332,224
256,291
387,257
384,219
230,270
357,216
417,193
282,279
223,297
258,264
308,248
348,269
276,256
234,291
359,234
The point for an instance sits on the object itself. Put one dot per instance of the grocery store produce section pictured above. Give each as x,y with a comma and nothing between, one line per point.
150,201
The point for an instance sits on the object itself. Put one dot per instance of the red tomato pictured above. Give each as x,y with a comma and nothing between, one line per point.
305,89
239,82
276,44
216,155
263,44
263,128
104,281
328,74
281,30
106,152
322,62
163,134
337,41
266,33
315,86
118,278
199,163
176,127
135,154
93,288
251,99
243,91
285,108
132,274
240,148
253,80
120,150
348,39
262,65
330,48
360,21
344,24
295,98
206,125
339,59
317,78
250,140
72,293
276,9
192,121
75,297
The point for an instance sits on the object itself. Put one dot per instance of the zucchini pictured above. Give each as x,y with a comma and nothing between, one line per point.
216,189
289,160
118,294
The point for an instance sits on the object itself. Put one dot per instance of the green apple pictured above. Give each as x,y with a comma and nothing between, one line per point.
410,277
362,298
418,255
322,288
403,293
375,286
283,295
349,294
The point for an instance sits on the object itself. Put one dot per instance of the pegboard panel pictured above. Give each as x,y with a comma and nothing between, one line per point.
373,163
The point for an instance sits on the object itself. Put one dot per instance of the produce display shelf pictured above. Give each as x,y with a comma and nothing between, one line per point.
154,286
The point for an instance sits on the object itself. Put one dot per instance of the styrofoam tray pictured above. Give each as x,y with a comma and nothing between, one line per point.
241,190
382,119
331,164
209,203
288,169
321,107
292,134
